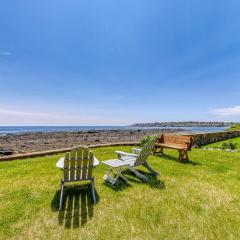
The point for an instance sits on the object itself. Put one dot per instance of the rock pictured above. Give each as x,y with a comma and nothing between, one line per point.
35,142
91,131
6,152
196,146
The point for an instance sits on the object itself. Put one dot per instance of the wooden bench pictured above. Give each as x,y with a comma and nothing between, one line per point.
181,143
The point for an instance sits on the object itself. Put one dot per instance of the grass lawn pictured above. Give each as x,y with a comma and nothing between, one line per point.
219,144
235,127
198,200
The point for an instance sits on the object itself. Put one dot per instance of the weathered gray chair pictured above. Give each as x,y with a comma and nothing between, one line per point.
78,166
131,161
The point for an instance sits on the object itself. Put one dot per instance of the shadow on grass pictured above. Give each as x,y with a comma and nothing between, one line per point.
120,185
77,206
172,158
153,180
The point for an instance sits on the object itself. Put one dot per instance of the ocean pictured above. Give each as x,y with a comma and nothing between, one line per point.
32,129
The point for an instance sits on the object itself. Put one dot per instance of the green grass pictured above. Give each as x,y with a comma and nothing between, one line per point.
235,127
199,200
219,144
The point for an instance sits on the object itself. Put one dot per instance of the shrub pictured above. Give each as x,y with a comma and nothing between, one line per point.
146,139
224,145
229,145
232,145
235,127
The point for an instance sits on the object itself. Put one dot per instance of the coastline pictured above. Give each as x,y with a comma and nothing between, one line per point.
44,141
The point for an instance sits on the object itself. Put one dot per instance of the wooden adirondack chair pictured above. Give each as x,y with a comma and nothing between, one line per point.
131,161
140,159
78,166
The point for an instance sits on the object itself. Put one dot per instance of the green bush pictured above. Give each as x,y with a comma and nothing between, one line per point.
229,145
146,139
224,145
232,145
235,127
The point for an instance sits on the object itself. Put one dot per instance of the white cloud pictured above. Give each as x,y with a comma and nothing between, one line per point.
22,113
228,112
5,53
18,117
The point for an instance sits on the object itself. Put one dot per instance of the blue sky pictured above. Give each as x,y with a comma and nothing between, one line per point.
119,62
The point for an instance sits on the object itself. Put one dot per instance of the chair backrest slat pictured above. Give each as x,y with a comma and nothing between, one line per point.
79,162
85,164
146,151
72,164
66,166
78,165
90,165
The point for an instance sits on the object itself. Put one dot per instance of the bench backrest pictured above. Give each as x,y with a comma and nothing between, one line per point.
78,165
180,140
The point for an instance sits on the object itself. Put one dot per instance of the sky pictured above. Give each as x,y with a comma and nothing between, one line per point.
114,62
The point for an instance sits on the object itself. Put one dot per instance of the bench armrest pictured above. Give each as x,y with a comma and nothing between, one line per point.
159,140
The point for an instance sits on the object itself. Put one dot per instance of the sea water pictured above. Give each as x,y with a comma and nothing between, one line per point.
33,129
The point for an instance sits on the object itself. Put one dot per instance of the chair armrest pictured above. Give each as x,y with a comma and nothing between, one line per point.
136,150
120,153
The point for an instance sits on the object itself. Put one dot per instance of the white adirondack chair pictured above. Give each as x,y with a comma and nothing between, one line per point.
131,161
78,166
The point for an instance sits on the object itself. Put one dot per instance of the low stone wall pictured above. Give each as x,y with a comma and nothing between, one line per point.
63,150
201,139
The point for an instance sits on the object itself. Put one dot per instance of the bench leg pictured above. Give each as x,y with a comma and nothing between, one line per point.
156,152
161,152
186,156
180,158
183,156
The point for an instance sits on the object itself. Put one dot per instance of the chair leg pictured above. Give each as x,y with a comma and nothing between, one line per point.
138,174
150,169
119,174
61,196
93,191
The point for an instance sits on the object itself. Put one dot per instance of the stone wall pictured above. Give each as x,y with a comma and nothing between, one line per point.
201,139
63,150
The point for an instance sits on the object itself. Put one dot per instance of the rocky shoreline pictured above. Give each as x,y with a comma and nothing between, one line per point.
12,144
